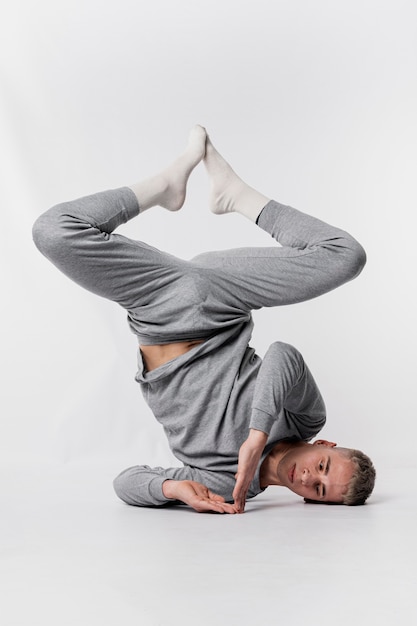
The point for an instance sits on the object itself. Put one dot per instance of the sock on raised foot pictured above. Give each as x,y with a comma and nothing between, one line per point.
229,193
168,188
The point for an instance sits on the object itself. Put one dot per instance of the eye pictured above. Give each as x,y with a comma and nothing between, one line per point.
321,466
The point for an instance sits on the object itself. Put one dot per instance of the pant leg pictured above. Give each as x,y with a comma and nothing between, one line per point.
154,287
169,299
314,259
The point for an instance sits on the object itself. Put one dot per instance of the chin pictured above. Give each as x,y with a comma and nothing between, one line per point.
291,488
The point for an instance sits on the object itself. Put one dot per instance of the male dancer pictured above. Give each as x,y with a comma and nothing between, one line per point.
238,424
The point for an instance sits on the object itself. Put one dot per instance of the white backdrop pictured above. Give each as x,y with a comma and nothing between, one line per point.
313,103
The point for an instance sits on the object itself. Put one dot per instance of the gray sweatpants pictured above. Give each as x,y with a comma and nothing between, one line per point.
169,299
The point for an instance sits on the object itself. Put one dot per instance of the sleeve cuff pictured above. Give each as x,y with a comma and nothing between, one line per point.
155,489
130,203
261,421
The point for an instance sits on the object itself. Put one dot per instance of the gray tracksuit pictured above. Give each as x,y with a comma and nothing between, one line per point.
208,398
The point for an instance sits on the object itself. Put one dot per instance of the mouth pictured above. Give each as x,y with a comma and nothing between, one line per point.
291,473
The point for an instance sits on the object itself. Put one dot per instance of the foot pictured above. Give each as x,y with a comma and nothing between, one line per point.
229,193
177,174
168,188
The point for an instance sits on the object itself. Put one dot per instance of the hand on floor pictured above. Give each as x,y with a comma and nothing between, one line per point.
249,455
196,495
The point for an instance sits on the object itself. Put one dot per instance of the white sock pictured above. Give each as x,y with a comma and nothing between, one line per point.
229,193
168,188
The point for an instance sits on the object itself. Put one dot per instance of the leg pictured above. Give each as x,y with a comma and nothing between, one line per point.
314,258
78,236
168,188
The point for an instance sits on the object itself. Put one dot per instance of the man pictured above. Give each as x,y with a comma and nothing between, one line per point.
237,423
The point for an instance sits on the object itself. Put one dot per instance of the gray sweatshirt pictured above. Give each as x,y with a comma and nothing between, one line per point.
206,401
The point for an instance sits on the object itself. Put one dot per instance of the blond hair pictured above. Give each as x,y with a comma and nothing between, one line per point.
363,478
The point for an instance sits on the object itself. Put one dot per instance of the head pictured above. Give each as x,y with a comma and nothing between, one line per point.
322,472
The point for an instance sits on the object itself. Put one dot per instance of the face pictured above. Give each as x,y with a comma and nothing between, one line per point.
316,471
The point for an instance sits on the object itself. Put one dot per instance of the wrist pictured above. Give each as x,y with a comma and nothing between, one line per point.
168,489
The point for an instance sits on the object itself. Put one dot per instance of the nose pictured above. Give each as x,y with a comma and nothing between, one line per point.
307,477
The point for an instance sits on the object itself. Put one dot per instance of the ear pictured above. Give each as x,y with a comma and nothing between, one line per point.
323,442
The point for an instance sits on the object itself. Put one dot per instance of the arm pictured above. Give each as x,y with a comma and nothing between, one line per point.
142,485
287,399
286,395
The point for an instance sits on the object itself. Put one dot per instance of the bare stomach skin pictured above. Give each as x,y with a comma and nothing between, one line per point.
155,356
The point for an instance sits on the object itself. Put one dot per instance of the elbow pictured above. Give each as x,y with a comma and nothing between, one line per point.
279,349
124,489
119,487
286,357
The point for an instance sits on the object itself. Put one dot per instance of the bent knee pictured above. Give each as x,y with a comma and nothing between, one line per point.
348,259
38,233
356,259
47,233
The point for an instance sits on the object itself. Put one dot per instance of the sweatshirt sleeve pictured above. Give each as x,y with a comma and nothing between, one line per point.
286,392
141,485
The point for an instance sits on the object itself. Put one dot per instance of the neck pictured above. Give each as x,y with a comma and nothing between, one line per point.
269,469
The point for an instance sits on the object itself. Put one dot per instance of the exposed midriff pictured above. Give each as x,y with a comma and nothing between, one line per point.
156,355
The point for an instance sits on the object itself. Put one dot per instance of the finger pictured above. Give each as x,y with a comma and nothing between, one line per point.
215,496
240,499
239,488
239,496
203,506
221,507
239,504
217,507
229,508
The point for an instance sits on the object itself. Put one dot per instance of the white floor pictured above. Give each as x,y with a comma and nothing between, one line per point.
72,554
